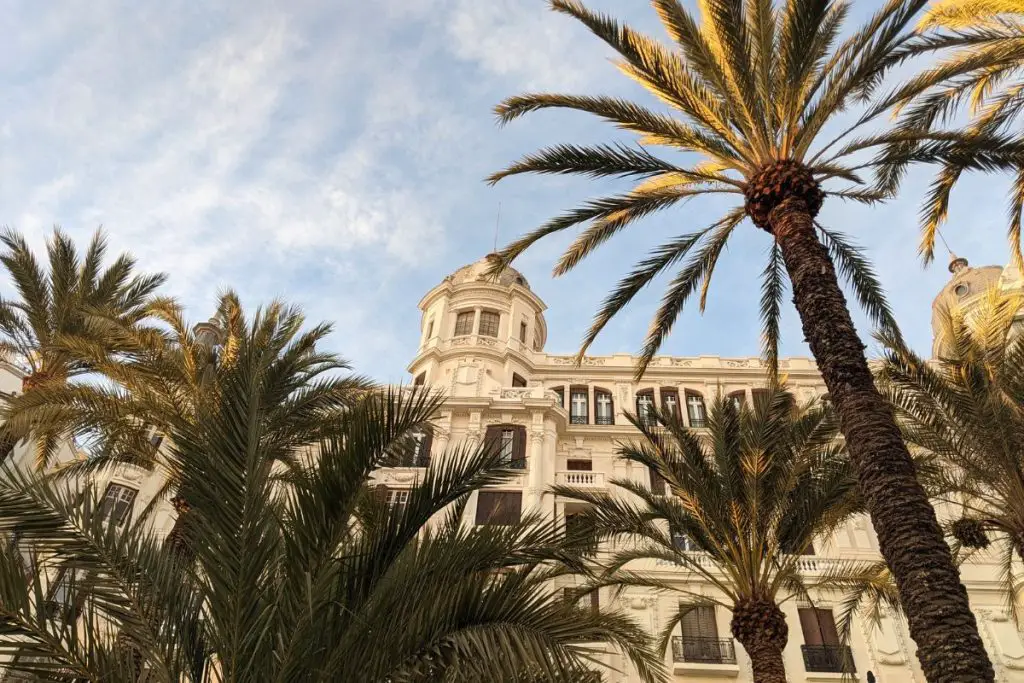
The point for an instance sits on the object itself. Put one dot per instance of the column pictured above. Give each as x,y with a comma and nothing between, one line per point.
536,480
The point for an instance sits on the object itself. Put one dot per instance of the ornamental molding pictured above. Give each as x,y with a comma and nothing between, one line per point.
586,361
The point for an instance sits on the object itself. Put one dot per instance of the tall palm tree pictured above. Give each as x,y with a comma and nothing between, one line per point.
72,296
752,89
748,497
965,410
305,574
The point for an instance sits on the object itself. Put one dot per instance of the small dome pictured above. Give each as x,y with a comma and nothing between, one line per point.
476,272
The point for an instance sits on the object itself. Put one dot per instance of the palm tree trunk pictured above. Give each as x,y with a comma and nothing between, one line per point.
909,536
766,661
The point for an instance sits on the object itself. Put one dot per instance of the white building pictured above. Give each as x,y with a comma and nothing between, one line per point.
482,342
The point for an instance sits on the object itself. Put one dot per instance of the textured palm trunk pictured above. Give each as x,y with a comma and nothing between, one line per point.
760,627
911,541
766,661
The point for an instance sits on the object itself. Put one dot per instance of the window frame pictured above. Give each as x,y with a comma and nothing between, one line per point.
108,510
600,419
574,417
691,420
464,330
645,417
487,317
497,496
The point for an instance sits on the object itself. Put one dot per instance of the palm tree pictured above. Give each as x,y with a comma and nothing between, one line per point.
74,296
304,573
748,498
160,382
965,411
751,88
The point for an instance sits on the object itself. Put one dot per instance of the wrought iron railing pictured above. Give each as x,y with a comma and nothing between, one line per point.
698,422
703,650
578,419
828,658
604,420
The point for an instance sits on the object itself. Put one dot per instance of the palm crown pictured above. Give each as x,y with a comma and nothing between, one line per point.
748,497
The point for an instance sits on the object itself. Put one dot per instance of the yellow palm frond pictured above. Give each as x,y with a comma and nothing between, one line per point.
961,14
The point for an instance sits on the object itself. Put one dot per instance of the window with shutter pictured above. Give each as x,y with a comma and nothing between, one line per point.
657,482
645,407
510,442
819,626
760,397
738,398
498,507
699,621
560,391
604,413
464,323
489,321
118,502
695,411
422,440
670,402
579,410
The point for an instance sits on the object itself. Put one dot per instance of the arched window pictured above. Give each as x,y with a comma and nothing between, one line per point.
518,381
489,321
579,405
464,323
760,397
738,398
604,407
696,413
645,406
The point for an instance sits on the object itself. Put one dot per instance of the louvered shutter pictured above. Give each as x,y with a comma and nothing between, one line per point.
819,626
699,621
519,447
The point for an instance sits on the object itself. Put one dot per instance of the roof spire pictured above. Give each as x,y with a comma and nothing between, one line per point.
956,263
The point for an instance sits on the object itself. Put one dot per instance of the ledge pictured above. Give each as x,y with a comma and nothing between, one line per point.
823,676
706,669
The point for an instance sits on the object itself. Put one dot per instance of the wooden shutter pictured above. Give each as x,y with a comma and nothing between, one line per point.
519,447
498,507
492,438
819,626
595,601
657,482
699,621
423,459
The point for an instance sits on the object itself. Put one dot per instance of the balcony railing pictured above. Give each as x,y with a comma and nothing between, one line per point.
703,650
604,420
580,478
515,464
828,658
578,419
698,422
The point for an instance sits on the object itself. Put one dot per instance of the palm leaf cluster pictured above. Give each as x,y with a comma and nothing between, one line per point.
750,89
964,412
745,500
297,568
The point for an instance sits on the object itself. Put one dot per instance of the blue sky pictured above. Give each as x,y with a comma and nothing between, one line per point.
331,152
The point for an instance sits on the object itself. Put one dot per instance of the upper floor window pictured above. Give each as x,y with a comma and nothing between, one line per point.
498,507
430,329
645,407
584,602
670,402
518,381
118,502
738,398
489,323
579,410
605,413
421,442
421,379
560,392
64,600
760,397
823,650
522,332
464,323
510,443
695,411
397,499
683,542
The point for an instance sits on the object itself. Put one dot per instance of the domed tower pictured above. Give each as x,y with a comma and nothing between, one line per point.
479,333
964,288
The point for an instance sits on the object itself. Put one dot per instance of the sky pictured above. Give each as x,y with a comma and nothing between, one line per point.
332,153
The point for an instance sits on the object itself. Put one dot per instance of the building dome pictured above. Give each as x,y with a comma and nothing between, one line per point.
477,272
964,289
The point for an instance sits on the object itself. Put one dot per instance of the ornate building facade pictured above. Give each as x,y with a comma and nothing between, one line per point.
483,343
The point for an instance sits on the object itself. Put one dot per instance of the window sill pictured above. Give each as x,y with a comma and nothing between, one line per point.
822,676
706,669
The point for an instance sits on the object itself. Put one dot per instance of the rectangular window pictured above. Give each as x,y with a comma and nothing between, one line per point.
579,465
695,411
464,323
156,439
605,408
657,482
683,542
421,379
819,626
489,323
699,621
760,397
508,446
62,599
645,408
670,402
579,410
522,332
518,381
560,391
498,507
397,499
430,329
117,503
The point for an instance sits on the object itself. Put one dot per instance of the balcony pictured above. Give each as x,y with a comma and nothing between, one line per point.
827,658
578,420
580,479
703,650
604,420
698,422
